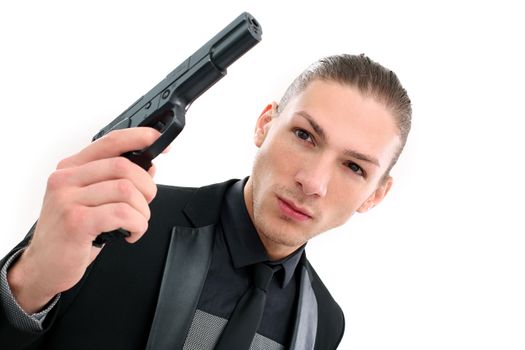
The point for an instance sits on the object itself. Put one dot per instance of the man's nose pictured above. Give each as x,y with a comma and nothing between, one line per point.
314,176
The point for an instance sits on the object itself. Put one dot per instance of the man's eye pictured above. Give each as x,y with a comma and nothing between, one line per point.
355,168
303,135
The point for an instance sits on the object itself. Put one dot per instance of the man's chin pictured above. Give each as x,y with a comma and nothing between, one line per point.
279,229
286,236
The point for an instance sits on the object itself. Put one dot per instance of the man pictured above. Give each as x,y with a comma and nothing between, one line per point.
325,152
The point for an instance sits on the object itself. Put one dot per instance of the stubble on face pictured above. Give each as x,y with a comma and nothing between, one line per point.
278,228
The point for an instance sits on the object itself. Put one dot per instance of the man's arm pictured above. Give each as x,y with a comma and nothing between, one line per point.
17,329
93,191
14,313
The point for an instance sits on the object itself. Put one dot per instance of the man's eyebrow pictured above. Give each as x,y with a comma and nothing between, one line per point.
361,156
317,128
348,152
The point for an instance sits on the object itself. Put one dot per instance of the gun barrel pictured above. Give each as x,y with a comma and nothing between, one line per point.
243,34
193,76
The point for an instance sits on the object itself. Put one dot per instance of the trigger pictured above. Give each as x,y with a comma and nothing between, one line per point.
159,126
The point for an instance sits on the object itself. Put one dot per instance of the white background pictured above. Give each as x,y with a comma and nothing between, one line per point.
438,265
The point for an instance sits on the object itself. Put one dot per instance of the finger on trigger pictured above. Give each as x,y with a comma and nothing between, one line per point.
114,144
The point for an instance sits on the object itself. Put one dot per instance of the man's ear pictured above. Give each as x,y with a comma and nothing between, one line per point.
377,196
263,123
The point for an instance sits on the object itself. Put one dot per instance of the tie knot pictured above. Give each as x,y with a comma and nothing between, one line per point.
262,276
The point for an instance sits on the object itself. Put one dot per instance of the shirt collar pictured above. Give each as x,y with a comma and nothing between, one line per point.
242,239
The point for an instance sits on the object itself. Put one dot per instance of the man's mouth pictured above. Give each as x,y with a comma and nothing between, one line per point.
292,210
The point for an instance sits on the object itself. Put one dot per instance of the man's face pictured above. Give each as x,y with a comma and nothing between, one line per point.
320,160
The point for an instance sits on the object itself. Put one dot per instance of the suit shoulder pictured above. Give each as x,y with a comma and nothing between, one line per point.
183,194
169,190
200,205
331,315
181,190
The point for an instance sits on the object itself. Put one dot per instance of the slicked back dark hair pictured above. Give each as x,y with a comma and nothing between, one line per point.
370,78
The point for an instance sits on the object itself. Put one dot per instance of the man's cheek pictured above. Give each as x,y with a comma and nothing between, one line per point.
284,160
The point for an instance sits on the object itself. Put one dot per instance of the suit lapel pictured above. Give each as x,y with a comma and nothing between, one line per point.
187,264
305,330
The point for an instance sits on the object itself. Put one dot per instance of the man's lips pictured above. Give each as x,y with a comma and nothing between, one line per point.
292,210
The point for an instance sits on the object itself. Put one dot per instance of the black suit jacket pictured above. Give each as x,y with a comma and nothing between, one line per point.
133,295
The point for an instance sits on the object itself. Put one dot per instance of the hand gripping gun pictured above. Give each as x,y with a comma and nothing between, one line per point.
164,106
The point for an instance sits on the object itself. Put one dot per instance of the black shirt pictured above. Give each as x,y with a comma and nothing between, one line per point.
236,248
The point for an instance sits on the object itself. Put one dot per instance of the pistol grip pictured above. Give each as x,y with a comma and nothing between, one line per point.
107,237
144,157
139,158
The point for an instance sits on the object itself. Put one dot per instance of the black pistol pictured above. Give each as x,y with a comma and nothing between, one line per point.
164,107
